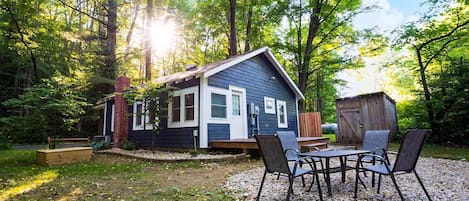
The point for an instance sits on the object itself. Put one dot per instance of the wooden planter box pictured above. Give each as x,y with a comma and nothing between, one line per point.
63,156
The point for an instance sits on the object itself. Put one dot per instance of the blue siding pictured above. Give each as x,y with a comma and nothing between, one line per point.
168,137
218,131
255,75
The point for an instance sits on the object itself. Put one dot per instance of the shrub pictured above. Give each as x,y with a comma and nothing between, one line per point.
128,145
5,145
101,145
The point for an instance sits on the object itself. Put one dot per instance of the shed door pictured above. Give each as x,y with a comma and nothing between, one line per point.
350,125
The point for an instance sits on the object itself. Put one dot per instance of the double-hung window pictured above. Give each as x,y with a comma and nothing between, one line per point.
183,108
282,114
218,106
141,119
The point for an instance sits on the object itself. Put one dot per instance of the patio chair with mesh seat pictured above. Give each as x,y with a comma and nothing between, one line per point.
406,160
377,142
275,161
292,149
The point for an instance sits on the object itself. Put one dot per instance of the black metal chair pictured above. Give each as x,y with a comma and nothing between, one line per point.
292,149
275,161
406,160
377,142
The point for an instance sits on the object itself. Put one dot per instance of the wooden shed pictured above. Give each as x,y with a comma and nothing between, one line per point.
356,115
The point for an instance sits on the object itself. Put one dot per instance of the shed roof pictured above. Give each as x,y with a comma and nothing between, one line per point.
367,94
213,68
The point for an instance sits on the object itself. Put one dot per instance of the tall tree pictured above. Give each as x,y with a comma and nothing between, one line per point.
319,29
232,21
148,42
431,43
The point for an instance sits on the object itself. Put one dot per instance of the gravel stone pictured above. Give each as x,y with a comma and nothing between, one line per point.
169,156
445,180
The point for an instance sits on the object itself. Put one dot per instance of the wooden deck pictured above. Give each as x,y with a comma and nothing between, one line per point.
250,143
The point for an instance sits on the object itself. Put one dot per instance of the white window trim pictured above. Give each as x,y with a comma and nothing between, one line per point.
148,125
183,122
105,118
280,125
113,112
267,110
222,91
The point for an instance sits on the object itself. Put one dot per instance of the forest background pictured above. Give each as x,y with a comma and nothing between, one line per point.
58,57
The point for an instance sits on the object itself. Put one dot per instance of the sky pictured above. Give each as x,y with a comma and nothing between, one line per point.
390,15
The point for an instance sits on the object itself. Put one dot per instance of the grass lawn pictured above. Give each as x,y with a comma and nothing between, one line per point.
429,150
113,178
331,137
439,151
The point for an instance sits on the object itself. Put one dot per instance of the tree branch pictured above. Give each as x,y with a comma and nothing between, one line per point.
437,53
85,13
330,12
31,53
421,46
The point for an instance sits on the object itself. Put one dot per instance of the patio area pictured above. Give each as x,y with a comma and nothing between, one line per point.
444,180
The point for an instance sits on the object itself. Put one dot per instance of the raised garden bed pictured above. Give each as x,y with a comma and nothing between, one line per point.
49,157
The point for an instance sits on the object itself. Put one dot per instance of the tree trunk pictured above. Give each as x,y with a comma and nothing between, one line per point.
110,64
431,114
318,92
233,50
148,45
304,65
131,29
247,46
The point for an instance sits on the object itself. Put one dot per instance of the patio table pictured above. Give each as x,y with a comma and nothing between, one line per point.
327,155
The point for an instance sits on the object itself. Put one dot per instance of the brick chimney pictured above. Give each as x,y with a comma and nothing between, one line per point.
121,118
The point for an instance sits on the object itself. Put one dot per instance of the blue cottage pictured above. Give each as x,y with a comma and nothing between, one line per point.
229,99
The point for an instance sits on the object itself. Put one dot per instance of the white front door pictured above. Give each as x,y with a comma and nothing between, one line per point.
238,129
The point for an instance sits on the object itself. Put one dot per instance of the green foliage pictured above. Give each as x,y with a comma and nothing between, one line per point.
451,101
50,107
5,145
332,137
446,151
100,145
156,98
435,73
127,145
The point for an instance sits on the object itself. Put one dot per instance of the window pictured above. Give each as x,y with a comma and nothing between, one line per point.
282,114
176,112
189,107
218,106
269,105
236,105
183,108
141,119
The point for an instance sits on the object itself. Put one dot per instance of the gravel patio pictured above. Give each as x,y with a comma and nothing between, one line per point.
444,180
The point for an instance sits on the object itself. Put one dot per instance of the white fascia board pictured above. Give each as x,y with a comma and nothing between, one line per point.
234,62
284,75
203,119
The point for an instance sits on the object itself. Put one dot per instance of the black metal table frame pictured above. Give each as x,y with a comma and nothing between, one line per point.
327,155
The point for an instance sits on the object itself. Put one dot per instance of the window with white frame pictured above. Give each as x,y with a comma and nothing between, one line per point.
282,114
218,106
269,105
141,119
183,108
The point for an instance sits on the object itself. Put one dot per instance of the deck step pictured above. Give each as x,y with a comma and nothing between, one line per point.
311,147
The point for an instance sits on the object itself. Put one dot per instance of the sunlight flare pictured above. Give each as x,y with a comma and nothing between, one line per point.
37,181
162,35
